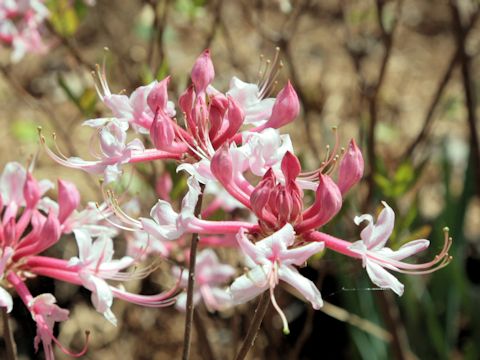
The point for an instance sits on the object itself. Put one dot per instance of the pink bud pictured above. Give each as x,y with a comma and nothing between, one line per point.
68,199
10,232
222,166
328,202
290,167
235,117
217,109
202,72
185,101
262,193
162,132
31,191
351,168
285,109
158,97
50,232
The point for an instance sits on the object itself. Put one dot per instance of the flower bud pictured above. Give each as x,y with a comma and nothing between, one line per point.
328,202
162,132
285,109
290,167
351,168
68,199
221,165
202,72
185,101
235,117
262,193
158,97
217,109
31,191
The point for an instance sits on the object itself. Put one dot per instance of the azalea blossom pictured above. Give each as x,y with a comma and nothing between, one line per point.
376,257
31,223
210,276
271,260
21,25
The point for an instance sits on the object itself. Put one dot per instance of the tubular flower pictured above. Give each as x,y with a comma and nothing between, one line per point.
210,275
376,257
273,259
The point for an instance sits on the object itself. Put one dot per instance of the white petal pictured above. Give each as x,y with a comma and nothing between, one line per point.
299,255
84,243
383,278
410,249
248,286
306,287
6,299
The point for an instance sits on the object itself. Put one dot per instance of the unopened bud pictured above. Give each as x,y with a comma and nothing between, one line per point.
285,109
351,168
202,72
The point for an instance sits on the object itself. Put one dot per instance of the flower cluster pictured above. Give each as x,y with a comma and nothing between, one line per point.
31,223
230,146
21,23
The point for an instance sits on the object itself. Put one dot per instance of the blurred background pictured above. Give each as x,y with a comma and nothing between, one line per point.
401,77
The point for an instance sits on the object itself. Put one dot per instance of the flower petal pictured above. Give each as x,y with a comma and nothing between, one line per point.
248,286
306,287
383,278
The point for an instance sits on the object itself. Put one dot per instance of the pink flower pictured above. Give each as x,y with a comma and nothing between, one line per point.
94,265
376,257
249,98
272,260
210,275
46,313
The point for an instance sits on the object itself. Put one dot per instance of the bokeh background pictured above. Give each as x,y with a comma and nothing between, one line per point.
401,77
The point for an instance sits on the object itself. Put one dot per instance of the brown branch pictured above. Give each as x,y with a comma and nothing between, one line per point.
206,348
10,347
387,39
191,283
252,332
468,87
156,41
427,123
70,46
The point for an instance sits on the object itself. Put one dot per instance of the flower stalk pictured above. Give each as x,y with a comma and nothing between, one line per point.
252,332
10,347
191,283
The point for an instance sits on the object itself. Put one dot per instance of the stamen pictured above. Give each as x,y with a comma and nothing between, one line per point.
69,352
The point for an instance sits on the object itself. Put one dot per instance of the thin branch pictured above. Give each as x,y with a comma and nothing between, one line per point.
191,283
468,87
206,350
427,123
70,46
11,349
156,41
254,326
387,39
